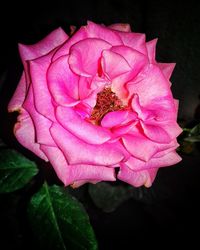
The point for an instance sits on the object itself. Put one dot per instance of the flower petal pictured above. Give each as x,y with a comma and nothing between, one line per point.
19,95
85,54
171,158
125,27
116,118
151,49
113,64
84,130
167,69
137,178
54,39
58,161
135,41
78,152
140,146
81,172
41,123
42,96
25,133
99,31
62,82
152,85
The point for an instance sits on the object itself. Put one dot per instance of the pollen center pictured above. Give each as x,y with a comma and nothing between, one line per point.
107,101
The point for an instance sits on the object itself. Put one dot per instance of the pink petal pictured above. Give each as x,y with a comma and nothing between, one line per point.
53,40
152,85
85,54
165,160
116,118
151,49
76,37
137,178
81,172
133,40
18,97
167,69
41,123
155,133
42,96
58,161
125,27
135,59
78,152
114,64
62,82
25,133
139,146
99,31
84,130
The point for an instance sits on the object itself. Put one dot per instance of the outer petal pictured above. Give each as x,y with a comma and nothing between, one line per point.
25,134
84,130
42,96
78,152
82,172
125,27
62,82
99,31
167,69
133,40
58,162
137,178
165,160
19,95
84,56
41,123
54,39
151,49
64,49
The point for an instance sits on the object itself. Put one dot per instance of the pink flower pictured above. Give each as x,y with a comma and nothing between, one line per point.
97,101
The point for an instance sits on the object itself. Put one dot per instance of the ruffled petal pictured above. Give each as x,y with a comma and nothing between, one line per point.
41,123
53,40
167,69
85,54
84,130
135,41
25,133
117,118
151,85
137,178
125,27
42,96
140,146
59,163
63,83
171,158
19,95
82,172
65,47
151,49
113,64
78,152
99,31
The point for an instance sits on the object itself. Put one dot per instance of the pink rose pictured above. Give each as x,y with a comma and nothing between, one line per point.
97,101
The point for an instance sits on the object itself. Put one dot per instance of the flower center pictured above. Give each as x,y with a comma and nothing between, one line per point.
107,101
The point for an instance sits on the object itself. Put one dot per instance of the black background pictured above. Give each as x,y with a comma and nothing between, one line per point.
168,214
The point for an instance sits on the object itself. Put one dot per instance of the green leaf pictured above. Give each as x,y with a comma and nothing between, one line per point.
59,221
15,170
